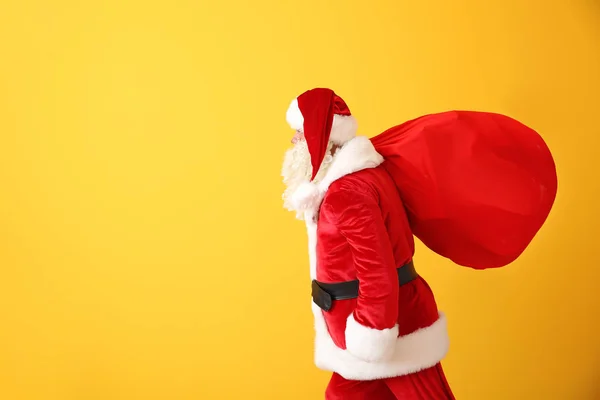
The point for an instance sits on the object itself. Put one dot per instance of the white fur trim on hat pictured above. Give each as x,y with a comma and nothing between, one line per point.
306,196
343,128
294,117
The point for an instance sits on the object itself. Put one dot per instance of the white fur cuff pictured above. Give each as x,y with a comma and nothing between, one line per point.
370,344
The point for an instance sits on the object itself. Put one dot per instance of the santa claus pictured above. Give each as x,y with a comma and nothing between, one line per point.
378,327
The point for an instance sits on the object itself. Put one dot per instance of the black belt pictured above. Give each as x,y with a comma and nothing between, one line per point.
323,294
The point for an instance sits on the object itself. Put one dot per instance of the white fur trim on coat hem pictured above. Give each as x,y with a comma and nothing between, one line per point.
370,344
414,352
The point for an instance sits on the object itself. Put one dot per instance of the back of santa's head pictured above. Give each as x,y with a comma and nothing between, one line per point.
325,119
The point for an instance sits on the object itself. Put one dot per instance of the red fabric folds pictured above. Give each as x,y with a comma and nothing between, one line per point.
477,186
316,107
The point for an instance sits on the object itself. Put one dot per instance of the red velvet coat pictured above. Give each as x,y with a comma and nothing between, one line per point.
358,229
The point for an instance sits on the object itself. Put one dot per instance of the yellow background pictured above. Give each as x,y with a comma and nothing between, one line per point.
144,250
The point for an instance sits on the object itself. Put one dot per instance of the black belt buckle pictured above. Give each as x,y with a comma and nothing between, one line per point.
324,294
321,297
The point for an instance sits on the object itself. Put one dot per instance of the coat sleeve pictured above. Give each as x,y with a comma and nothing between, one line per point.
371,330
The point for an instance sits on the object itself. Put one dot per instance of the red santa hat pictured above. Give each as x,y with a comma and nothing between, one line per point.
323,117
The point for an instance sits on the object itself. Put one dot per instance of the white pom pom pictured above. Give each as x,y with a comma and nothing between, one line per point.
306,197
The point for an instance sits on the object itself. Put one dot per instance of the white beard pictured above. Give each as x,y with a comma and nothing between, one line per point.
297,169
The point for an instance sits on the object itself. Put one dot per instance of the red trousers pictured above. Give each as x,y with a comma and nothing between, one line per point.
428,384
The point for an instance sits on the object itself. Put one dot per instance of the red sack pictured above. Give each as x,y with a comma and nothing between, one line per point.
477,186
